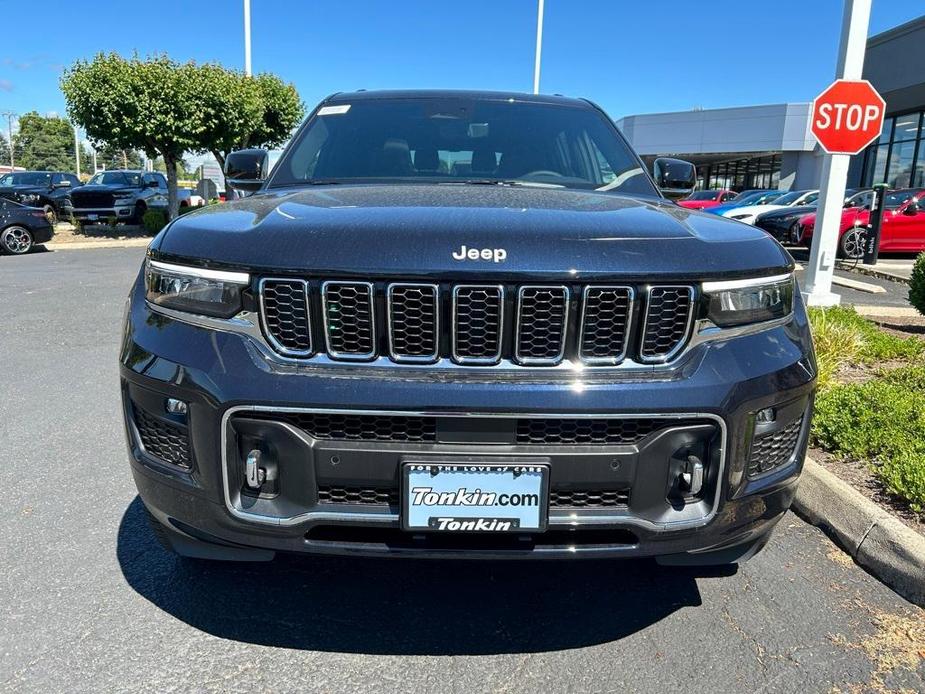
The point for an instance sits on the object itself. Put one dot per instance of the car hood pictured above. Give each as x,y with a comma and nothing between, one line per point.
22,189
792,211
414,231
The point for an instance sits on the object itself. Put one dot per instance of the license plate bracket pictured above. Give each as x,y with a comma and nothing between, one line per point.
477,497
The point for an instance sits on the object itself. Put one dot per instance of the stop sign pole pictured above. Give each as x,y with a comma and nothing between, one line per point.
817,290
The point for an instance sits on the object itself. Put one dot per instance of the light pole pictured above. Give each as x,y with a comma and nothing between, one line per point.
247,37
539,47
821,268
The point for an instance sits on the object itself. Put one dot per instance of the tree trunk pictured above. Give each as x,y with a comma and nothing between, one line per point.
220,158
173,204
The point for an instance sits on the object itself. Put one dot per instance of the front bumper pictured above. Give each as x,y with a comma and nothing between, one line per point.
103,213
237,396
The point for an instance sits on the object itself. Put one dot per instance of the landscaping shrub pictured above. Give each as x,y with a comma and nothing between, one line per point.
153,221
917,284
881,421
831,329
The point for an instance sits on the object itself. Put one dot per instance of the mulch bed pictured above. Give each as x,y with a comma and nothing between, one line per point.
859,474
68,233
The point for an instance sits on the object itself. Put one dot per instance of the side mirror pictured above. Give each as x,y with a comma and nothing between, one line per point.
911,209
246,169
61,184
152,184
675,178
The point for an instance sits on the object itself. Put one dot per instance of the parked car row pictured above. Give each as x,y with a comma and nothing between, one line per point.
790,217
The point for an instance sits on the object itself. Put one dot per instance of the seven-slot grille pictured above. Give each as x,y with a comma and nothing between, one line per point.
531,325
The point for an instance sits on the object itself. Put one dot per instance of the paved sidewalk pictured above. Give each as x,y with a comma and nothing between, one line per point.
899,270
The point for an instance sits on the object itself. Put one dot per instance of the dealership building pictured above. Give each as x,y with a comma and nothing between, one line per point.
771,146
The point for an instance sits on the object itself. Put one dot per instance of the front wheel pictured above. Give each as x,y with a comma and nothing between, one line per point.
51,215
851,243
16,240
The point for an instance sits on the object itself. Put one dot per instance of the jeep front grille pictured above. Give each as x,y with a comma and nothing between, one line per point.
477,324
349,325
667,322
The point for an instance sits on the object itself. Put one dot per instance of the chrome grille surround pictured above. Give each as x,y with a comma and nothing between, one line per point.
491,328
589,347
401,320
662,336
547,324
361,323
298,333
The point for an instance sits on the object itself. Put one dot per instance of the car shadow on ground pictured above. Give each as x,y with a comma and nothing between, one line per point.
406,606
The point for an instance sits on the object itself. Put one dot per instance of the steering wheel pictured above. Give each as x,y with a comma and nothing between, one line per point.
542,172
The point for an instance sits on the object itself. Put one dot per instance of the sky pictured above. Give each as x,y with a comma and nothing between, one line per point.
629,56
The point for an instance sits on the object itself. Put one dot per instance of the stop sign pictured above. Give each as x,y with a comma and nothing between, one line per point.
847,116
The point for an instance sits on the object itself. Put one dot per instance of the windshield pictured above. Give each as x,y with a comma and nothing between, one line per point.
26,178
459,140
789,198
897,198
704,195
117,178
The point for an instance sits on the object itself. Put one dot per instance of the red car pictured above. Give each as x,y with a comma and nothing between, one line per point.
903,227
705,199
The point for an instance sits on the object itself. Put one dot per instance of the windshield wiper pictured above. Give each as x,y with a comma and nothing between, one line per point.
503,182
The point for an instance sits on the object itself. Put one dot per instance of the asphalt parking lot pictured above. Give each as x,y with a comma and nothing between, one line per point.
89,601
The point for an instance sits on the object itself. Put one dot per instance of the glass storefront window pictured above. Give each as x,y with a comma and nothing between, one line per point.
898,158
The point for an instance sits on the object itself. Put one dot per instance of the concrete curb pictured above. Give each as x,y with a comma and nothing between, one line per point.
871,272
108,243
887,311
890,551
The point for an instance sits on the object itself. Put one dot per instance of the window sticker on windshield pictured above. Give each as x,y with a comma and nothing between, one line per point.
333,110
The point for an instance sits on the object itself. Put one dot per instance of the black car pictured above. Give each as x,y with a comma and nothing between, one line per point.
120,196
22,227
784,225
49,190
464,324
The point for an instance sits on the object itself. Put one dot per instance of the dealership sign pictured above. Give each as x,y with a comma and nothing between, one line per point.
848,116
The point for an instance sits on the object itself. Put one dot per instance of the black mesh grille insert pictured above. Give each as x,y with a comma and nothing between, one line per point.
359,427
587,431
542,315
286,315
376,496
348,317
163,440
477,325
667,321
413,322
589,498
775,449
605,323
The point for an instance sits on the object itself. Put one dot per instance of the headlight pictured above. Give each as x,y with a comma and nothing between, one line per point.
193,289
738,302
29,197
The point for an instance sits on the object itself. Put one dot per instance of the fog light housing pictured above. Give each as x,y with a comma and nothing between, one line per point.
766,416
174,406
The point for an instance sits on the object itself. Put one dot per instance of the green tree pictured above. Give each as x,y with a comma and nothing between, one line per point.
108,156
243,111
152,105
4,151
44,144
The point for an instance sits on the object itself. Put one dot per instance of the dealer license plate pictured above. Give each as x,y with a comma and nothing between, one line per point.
475,497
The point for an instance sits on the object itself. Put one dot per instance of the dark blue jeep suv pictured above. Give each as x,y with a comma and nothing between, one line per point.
464,324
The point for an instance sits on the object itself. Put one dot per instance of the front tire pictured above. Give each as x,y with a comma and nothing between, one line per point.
16,240
138,216
851,244
50,214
